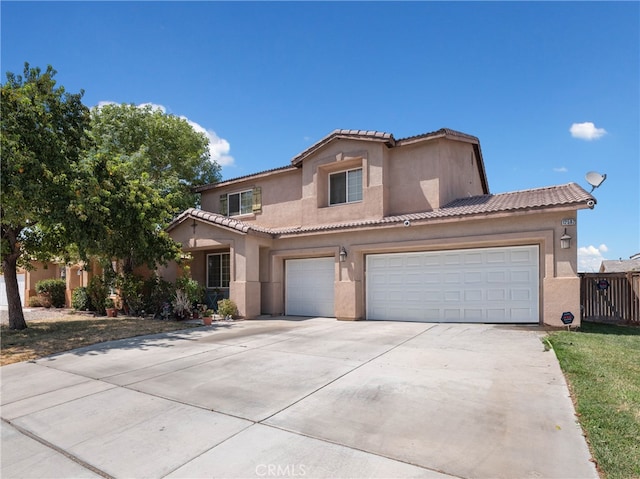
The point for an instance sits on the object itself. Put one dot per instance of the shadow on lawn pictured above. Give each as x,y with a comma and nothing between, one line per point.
604,328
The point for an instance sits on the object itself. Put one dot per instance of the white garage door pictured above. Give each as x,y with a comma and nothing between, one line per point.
309,287
490,285
3,289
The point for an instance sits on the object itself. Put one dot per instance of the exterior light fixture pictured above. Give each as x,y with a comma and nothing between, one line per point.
565,240
343,254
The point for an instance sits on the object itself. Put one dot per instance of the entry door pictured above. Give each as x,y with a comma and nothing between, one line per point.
489,285
309,285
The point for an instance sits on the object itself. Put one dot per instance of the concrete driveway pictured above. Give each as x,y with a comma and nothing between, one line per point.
297,398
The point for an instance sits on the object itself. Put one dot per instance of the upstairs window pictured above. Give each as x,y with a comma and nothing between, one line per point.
241,203
345,187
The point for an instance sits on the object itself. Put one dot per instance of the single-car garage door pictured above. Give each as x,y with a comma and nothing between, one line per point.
3,289
490,285
309,287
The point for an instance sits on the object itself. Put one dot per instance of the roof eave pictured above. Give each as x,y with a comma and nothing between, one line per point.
359,135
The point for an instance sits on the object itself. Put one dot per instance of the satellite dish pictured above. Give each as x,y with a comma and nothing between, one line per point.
595,179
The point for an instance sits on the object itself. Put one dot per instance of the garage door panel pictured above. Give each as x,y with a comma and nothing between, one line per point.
496,257
496,276
496,295
309,288
481,285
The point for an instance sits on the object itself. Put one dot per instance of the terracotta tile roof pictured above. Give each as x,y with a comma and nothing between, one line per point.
199,189
526,199
215,219
357,134
439,133
570,194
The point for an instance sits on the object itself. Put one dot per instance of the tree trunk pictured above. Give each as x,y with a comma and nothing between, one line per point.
16,316
10,270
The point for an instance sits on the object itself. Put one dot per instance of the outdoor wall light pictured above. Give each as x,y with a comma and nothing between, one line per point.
565,240
343,254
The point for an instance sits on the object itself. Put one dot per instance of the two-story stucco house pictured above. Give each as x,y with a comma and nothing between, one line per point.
365,226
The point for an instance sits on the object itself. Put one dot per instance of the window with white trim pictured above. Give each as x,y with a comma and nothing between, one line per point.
218,270
345,186
241,203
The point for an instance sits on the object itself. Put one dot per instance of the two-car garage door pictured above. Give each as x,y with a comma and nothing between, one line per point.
490,285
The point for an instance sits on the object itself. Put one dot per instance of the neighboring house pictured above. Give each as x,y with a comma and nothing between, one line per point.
621,265
365,226
74,275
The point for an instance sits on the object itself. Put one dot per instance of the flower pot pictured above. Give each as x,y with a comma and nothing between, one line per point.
206,320
112,313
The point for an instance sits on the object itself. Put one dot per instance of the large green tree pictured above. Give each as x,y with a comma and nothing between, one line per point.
43,139
166,147
140,174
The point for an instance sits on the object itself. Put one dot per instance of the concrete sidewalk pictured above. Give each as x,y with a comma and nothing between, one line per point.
307,398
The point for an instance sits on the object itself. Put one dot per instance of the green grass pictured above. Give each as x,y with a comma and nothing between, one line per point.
602,365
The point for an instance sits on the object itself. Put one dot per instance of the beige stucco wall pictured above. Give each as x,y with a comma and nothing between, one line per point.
406,179
281,198
426,176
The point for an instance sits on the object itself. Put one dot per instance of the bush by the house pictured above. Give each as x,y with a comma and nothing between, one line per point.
34,302
227,308
98,292
80,299
157,294
181,305
131,291
193,289
52,290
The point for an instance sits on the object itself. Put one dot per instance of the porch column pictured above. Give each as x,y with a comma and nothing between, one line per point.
244,289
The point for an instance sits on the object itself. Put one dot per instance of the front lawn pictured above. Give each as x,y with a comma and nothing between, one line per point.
45,337
602,365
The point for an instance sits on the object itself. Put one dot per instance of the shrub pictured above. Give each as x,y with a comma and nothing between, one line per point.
193,289
157,292
80,299
54,289
131,289
98,293
34,302
182,305
227,308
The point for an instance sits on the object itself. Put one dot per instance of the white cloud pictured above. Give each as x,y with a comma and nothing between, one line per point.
104,103
587,131
218,147
154,106
590,257
562,169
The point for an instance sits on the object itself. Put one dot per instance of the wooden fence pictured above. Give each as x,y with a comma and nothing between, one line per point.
610,296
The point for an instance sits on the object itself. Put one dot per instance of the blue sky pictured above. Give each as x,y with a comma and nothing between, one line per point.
266,80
